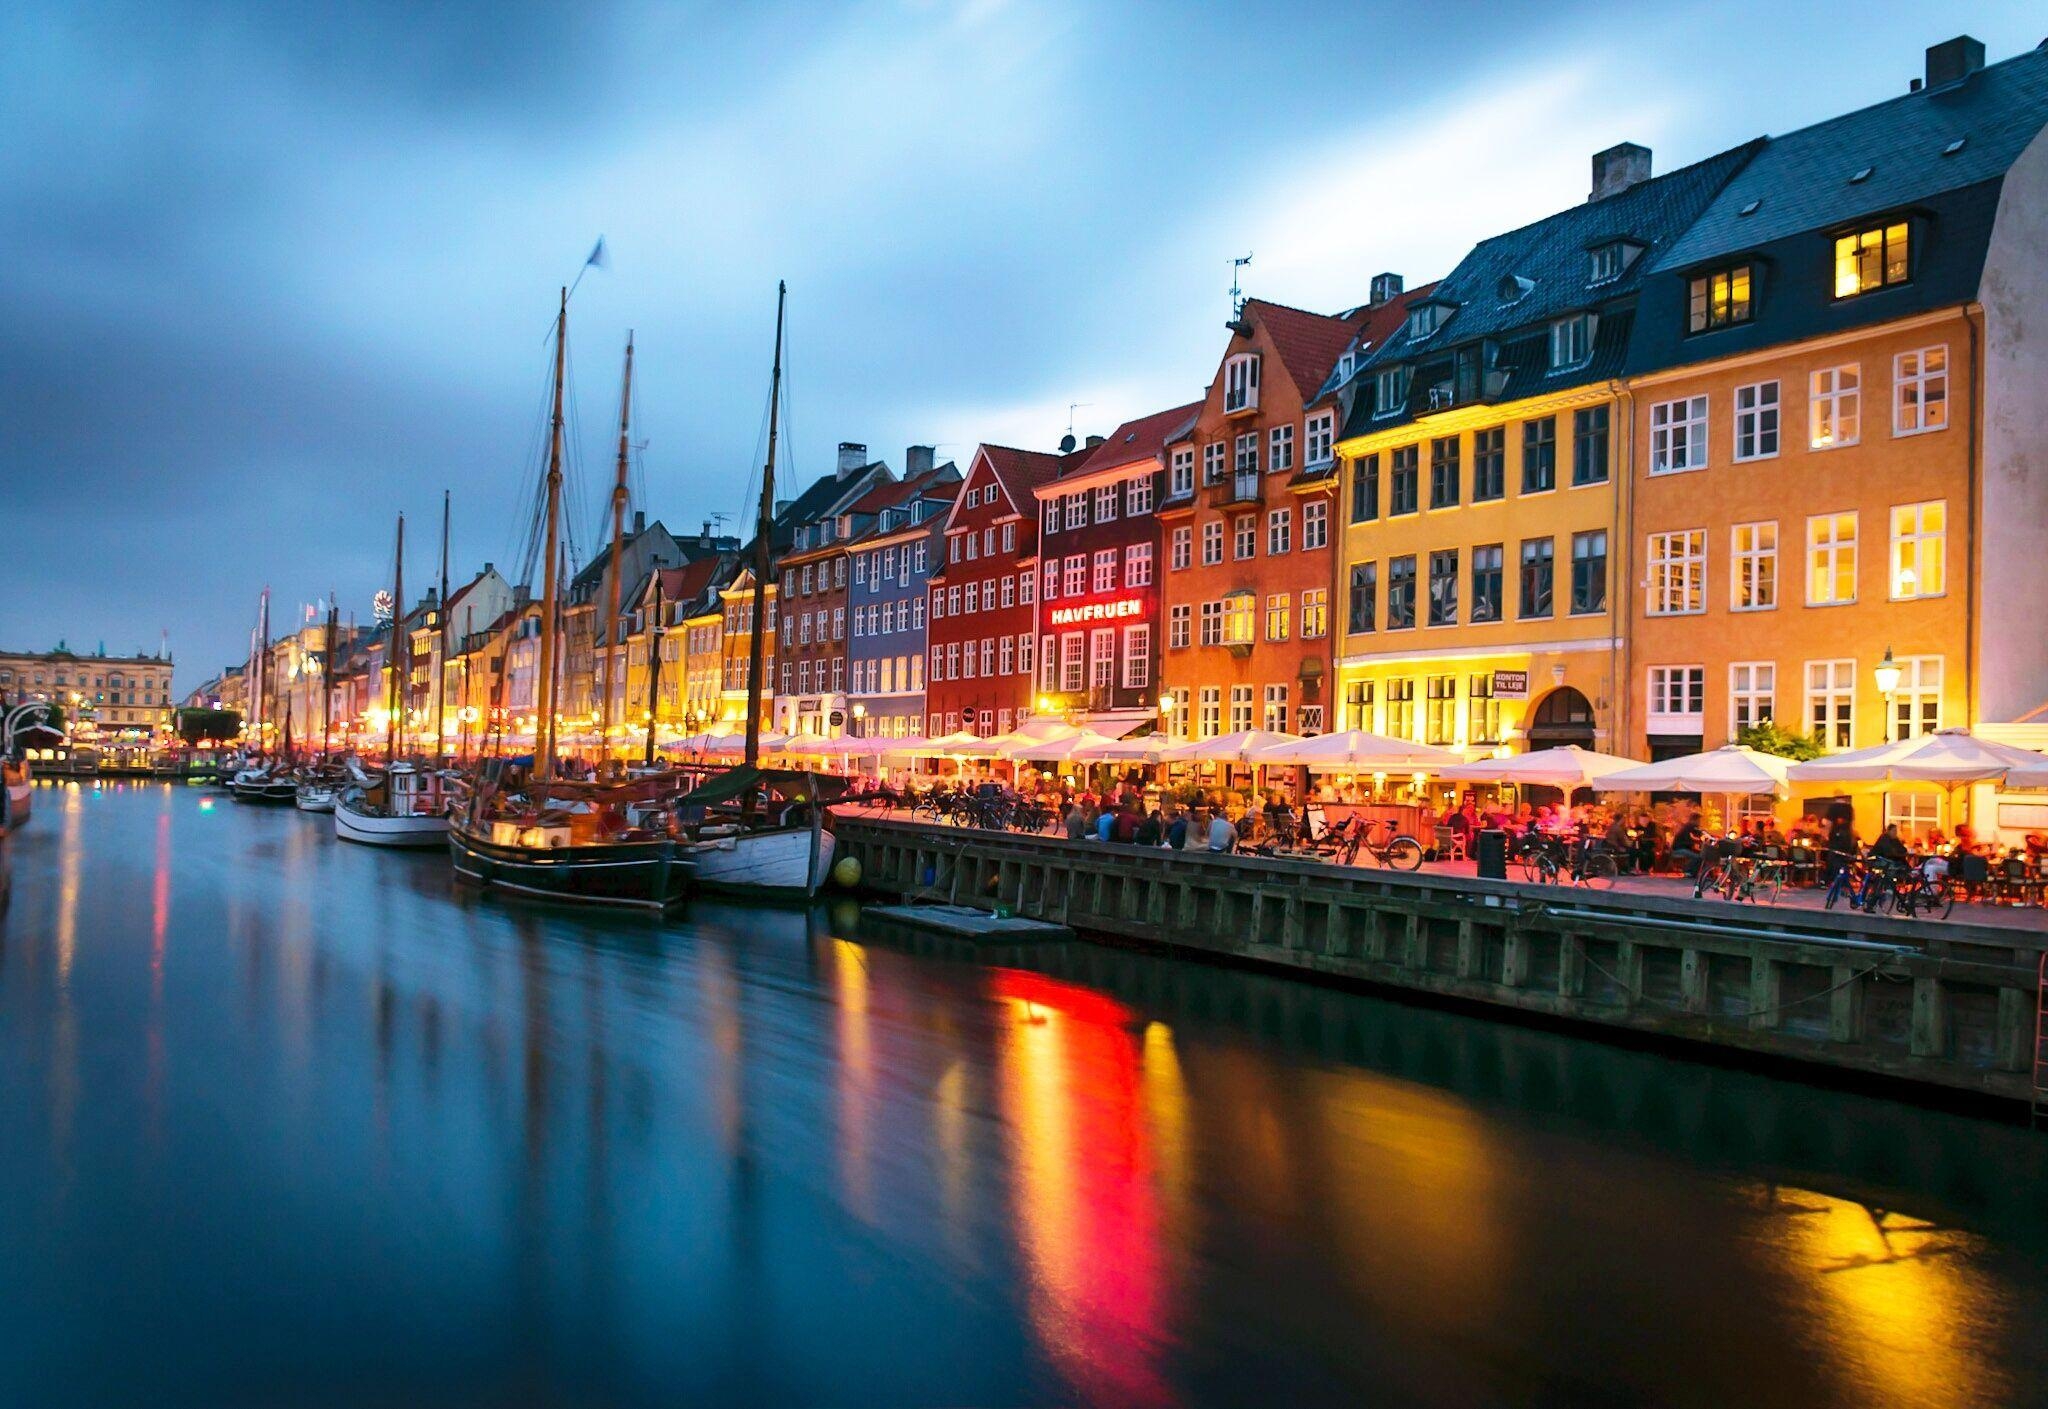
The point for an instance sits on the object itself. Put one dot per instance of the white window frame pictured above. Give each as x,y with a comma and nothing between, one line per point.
1759,422
1106,503
1831,684
1829,552
1180,474
1279,531
1753,565
1104,576
1315,525
1752,693
1916,705
1571,341
1677,581
1920,384
1240,383
1182,547
1914,546
1137,645
1834,399
1319,439
1138,565
1180,624
1675,699
1138,496
1212,542
1678,435
1280,449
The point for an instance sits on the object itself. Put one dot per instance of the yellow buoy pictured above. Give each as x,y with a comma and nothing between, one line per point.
846,871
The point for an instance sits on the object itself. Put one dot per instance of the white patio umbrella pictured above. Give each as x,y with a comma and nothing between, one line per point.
2034,775
1358,751
1568,767
1144,748
1945,756
1731,770
840,748
1052,748
958,744
1240,747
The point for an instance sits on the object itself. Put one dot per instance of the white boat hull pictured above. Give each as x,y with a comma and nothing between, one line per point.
16,816
371,829
776,862
315,799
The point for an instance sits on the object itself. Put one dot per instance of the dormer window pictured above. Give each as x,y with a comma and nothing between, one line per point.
1512,287
1390,391
1871,259
1571,340
1720,298
1241,383
1427,319
1607,263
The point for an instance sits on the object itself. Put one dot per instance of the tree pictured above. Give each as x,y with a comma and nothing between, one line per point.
215,724
1766,737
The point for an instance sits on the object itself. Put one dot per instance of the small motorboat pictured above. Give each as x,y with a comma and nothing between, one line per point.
318,792
264,785
402,807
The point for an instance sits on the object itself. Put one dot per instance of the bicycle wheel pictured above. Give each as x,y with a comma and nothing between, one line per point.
1403,854
1598,871
1545,867
1938,900
1836,889
1771,885
1882,900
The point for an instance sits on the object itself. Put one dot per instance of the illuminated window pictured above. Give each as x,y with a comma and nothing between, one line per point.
1871,259
1753,556
1756,421
1678,573
1831,702
1440,718
1830,560
1279,616
1240,619
1720,299
1678,435
1914,814
1358,711
1482,710
1315,613
1919,550
1401,708
1920,391
1834,405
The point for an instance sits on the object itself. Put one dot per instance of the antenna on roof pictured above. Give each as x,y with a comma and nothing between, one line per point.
1236,293
1072,407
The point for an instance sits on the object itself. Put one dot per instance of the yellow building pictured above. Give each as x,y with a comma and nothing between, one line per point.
1840,508
1480,479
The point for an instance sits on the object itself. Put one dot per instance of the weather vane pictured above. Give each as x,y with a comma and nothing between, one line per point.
1237,293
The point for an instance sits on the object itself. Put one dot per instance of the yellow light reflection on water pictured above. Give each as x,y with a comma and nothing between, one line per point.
855,1077
1892,1300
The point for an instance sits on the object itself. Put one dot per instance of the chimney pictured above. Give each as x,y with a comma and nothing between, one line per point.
852,455
781,507
639,522
1385,289
1619,167
917,460
1954,60
704,538
490,568
1093,441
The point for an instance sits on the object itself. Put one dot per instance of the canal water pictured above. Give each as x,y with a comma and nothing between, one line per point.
284,1121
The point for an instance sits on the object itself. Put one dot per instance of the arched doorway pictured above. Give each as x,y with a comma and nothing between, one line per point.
1564,716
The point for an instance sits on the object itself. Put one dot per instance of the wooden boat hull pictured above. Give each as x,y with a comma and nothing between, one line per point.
15,815
773,862
375,829
654,876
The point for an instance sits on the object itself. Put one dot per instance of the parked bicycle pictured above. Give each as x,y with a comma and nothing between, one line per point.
1397,851
1583,863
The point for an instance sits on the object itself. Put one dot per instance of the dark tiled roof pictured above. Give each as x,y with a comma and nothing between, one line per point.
1377,325
1802,181
1552,255
1136,440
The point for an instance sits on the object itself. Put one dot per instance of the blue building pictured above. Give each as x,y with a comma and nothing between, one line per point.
892,566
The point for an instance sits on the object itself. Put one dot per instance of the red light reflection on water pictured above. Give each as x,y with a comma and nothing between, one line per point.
1070,1084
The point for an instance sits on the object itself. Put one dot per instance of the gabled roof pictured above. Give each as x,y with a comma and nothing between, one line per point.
1019,472
1142,439
1546,266
1805,180
1377,323
1308,344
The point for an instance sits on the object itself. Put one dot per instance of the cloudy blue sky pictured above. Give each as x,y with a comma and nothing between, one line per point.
270,274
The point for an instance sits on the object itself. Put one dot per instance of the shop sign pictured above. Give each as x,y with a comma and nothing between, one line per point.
1098,611
1511,684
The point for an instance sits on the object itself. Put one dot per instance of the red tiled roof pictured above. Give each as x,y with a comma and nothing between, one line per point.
688,582
1021,471
1308,344
1136,440
1383,322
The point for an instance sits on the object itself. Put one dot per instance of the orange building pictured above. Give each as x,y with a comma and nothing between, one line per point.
1247,522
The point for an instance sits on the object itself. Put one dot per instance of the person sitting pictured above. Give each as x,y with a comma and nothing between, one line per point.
1075,822
1127,819
1222,836
1616,840
1148,830
1891,848
1688,845
1176,837
1105,824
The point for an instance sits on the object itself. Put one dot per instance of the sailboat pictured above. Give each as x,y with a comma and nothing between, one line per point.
21,724
790,854
544,838
403,806
270,782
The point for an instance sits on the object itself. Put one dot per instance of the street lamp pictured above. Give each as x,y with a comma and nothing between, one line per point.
1887,677
860,712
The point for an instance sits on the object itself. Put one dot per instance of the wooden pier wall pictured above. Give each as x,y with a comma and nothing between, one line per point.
1946,1002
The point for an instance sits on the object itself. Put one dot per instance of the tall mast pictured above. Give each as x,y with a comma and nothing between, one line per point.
327,679
611,618
544,742
764,557
654,635
441,636
394,693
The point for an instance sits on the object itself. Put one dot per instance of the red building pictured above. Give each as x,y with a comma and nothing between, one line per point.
982,638
1098,600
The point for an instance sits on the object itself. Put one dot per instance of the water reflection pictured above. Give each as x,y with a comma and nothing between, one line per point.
271,1101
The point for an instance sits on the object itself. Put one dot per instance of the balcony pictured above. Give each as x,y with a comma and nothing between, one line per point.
1245,487
1482,389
